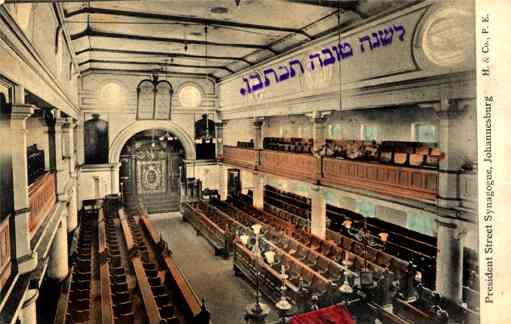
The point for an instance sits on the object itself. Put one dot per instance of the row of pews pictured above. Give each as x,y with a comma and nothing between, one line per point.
413,154
316,268
123,272
402,243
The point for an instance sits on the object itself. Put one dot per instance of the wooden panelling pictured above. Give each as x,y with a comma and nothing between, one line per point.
5,252
407,182
298,166
240,156
385,179
42,197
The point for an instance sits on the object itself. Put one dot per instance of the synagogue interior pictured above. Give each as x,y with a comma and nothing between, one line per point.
238,161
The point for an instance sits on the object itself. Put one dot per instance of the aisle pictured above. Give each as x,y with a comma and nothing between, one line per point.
210,276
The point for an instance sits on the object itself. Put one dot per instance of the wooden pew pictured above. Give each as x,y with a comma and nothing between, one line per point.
191,301
152,311
107,316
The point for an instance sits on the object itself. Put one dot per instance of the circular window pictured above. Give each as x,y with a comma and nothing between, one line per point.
447,39
112,95
190,96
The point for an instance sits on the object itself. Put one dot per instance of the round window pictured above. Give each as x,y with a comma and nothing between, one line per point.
447,39
190,96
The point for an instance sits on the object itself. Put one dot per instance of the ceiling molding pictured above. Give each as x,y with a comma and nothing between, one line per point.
166,54
214,67
94,33
184,19
148,72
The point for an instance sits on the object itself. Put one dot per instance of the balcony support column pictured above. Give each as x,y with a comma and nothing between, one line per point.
219,132
26,260
56,132
449,168
449,261
258,133
318,212
318,119
58,267
259,181
223,174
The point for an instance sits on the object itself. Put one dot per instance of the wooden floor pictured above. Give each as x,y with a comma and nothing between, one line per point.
210,276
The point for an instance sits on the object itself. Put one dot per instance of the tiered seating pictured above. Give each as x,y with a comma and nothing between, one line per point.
79,299
155,294
261,215
403,243
302,283
414,154
121,300
122,276
338,248
296,145
291,207
215,234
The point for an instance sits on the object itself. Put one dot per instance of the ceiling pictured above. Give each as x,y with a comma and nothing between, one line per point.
203,37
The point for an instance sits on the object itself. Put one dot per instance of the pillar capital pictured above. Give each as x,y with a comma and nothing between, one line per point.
221,124
258,122
22,111
115,165
447,109
319,117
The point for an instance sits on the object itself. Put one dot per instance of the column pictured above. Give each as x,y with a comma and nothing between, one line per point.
58,263
26,260
72,210
258,200
318,119
449,262
258,133
222,181
219,131
79,143
318,212
448,111
60,165
114,176
28,314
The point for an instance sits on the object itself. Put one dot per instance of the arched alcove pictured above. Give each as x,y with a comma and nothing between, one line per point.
124,135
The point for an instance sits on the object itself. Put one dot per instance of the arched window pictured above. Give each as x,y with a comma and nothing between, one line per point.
154,99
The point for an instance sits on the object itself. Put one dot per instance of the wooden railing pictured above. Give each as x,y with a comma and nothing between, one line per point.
5,252
298,166
386,179
42,197
408,182
240,156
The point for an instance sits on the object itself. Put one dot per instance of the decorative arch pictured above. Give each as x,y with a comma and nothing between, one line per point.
124,135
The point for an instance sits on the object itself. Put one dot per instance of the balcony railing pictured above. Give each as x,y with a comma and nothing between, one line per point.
293,165
240,156
42,197
381,178
408,182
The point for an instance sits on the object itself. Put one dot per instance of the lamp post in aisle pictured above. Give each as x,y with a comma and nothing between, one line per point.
257,312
